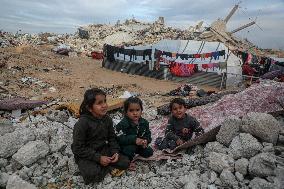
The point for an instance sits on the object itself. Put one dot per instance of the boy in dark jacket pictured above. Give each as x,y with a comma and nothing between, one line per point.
180,126
133,131
95,148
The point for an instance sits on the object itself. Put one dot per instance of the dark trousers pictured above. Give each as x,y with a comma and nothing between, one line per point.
94,172
131,150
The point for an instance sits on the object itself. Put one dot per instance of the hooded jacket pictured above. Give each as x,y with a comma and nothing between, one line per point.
94,137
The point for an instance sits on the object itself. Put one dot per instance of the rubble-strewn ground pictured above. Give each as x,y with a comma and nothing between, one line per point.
35,152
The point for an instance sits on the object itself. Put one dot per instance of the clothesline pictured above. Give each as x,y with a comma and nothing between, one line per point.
213,55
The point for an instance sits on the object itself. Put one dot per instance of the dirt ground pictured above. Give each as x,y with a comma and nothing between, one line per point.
70,76
66,78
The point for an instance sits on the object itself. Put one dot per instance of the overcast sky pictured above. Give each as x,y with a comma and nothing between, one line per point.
64,16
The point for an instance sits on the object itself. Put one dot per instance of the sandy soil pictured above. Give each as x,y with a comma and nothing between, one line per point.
70,76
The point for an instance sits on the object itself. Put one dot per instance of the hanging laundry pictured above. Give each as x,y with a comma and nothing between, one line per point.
147,52
181,69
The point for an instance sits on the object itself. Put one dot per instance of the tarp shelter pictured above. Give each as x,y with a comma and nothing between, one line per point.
234,70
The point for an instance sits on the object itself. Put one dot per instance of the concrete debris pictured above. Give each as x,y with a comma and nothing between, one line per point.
12,142
15,182
6,126
241,166
228,178
218,162
230,128
259,183
244,146
31,152
263,126
262,165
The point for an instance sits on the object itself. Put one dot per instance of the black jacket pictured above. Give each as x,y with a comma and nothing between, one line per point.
93,137
175,126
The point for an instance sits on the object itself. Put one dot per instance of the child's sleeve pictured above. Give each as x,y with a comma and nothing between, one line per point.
196,125
148,134
170,134
122,137
112,138
79,146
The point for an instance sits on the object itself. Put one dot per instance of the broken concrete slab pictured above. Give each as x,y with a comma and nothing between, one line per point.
218,162
11,142
15,182
241,166
244,146
31,152
230,128
6,126
261,125
262,165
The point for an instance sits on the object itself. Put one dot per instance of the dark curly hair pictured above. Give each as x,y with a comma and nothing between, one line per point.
132,100
90,99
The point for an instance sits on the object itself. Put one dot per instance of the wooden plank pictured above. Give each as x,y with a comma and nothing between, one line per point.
74,107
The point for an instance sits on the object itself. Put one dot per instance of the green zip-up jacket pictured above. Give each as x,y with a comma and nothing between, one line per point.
128,132
93,138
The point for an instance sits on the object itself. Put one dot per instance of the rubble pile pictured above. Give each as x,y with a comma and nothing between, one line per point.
37,153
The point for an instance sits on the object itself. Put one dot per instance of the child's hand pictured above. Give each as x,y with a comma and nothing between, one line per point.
145,143
179,142
104,160
114,158
185,131
139,141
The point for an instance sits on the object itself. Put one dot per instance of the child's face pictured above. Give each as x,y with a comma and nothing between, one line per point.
178,111
99,108
134,112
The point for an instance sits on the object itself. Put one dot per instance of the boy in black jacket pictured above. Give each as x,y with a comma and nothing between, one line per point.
180,126
95,148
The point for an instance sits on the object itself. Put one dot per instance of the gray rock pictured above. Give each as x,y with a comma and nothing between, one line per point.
11,142
262,165
6,126
261,125
59,116
72,166
228,178
23,173
215,147
3,162
258,183
241,166
239,176
244,145
217,162
229,129
31,152
4,177
15,182
57,145
279,171
280,139
267,147
192,180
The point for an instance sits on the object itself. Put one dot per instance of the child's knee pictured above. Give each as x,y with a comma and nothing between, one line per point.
147,152
129,151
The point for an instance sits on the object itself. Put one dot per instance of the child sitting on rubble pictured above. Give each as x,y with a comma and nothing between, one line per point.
180,126
95,148
133,131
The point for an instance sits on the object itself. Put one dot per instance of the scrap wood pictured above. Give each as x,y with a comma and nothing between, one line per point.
74,108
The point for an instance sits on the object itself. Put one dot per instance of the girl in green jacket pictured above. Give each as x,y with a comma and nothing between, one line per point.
133,131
